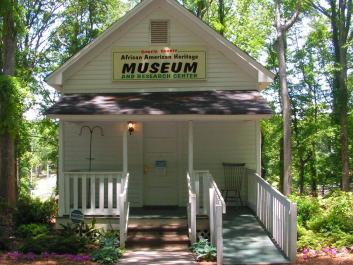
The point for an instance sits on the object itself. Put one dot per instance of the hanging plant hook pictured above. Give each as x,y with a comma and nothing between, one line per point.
91,130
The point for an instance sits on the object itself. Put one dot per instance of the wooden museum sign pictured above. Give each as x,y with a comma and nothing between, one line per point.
159,64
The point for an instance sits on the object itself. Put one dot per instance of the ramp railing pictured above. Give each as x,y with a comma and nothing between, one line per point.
124,209
209,201
276,212
191,209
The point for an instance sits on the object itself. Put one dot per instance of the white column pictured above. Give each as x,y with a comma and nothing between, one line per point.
191,146
258,147
61,176
125,162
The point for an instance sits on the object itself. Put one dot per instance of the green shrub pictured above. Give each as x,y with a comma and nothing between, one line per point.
32,210
204,250
54,244
107,255
337,214
32,230
87,231
109,238
307,207
326,222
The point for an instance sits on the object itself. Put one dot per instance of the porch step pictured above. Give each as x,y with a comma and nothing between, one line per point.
166,237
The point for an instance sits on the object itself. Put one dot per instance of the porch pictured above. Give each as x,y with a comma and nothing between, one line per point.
261,232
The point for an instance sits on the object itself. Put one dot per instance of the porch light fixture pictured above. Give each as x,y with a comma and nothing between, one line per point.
131,127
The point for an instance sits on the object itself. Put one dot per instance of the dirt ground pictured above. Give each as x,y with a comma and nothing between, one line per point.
323,260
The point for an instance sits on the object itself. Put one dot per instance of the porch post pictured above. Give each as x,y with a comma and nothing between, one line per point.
191,147
125,162
61,180
258,147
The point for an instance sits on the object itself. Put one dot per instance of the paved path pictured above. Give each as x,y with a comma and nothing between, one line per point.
44,187
157,257
246,242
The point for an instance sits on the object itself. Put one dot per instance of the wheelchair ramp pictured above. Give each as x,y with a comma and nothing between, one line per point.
246,242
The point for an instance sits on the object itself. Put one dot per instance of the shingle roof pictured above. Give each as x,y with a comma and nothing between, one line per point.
163,103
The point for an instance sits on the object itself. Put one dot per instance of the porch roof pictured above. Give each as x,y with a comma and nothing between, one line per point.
163,103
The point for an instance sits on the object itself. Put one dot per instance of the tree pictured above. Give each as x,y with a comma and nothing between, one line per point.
8,87
340,15
281,29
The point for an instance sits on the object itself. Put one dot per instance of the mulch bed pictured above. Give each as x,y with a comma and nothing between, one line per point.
322,260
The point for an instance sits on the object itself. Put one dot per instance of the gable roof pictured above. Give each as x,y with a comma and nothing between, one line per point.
264,76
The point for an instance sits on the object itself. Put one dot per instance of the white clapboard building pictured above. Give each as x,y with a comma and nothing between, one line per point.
161,112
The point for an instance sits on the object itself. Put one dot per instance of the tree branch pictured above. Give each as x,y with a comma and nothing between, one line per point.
294,17
321,9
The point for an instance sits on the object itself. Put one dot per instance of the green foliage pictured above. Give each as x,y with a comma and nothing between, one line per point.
32,210
11,97
107,255
83,230
337,214
109,238
325,222
54,244
307,207
32,230
204,250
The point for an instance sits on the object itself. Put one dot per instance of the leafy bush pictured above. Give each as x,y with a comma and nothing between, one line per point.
109,238
54,244
326,222
32,210
337,214
83,230
32,230
204,250
307,207
107,255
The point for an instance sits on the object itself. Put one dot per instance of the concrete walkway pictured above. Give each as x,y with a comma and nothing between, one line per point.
246,242
157,257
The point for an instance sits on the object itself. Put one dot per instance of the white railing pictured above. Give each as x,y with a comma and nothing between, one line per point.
94,193
216,211
276,212
205,189
124,209
191,209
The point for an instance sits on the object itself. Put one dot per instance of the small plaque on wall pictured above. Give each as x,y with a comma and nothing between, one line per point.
160,163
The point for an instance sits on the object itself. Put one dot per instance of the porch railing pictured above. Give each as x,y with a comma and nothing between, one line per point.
209,201
191,209
124,209
275,211
94,193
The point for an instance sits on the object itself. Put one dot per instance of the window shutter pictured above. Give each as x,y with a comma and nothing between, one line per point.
159,32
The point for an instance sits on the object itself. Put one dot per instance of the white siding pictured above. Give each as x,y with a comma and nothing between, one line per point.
107,152
96,75
218,142
214,143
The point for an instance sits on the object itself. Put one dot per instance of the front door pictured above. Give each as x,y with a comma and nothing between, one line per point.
160,164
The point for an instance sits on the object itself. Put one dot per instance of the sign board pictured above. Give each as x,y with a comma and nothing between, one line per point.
159,64
77,216
160,163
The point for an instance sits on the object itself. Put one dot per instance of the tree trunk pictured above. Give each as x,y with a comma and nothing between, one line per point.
7,169
7,141
286,113
340,91
221,15
286,106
